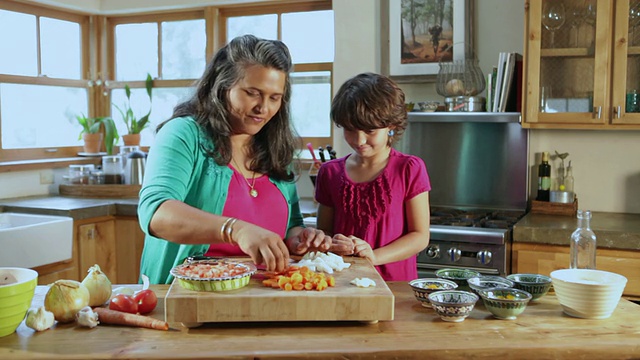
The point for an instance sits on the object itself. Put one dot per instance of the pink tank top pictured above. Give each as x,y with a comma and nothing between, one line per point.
268,210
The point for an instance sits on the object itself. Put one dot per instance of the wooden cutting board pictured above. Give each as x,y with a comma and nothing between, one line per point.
256,302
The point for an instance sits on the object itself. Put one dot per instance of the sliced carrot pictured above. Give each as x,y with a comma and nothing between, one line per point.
107,316
288,287
331,281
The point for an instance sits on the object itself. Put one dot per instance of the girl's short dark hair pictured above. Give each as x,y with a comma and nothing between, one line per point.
370,101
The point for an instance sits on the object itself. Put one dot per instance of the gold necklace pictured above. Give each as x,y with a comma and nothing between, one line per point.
252,191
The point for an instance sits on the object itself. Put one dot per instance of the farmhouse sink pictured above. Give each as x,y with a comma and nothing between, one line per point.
28,240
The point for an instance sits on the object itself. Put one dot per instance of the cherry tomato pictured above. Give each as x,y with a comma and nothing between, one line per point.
146,301
124,303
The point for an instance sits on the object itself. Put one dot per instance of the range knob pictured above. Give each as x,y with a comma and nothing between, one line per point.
454,254
484,257
433,251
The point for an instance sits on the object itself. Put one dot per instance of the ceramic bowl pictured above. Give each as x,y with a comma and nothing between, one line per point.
585,293
535,284
428,106
17,286
488,282
505,303
459,276
423,287
240,278
453,305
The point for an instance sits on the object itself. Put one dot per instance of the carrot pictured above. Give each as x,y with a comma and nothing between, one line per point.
108,316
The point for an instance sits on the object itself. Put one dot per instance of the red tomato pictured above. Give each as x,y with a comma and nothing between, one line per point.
146,301
124,303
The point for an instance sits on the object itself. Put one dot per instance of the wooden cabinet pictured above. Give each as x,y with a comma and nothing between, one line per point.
129,244
582,78
97,245
543,259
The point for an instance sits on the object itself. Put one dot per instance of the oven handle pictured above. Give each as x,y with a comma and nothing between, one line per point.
434,267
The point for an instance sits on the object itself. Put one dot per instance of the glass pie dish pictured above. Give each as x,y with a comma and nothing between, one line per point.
213,275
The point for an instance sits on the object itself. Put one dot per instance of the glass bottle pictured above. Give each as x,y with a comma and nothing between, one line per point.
583,243
544,178
568,180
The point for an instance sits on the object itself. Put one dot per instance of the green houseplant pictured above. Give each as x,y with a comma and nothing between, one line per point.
134,124
93,137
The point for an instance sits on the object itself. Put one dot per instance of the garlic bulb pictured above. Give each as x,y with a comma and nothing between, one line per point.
39,319
99,286
87,317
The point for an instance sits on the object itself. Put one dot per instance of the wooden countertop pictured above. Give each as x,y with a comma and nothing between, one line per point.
542,331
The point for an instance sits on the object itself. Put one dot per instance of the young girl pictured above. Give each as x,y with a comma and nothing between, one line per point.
377,198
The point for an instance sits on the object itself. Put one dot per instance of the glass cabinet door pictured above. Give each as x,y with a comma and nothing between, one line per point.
626,63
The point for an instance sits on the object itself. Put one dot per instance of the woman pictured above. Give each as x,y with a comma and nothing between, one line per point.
218,179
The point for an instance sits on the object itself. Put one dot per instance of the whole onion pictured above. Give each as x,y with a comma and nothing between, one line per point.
99,286
65,298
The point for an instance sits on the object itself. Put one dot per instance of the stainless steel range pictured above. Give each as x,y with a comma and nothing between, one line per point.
478,166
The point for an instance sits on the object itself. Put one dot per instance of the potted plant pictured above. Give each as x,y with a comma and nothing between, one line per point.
134,124
93,137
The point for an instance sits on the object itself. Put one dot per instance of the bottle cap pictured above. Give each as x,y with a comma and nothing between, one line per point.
545,156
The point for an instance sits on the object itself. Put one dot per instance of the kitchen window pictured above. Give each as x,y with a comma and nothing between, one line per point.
46,82
41,82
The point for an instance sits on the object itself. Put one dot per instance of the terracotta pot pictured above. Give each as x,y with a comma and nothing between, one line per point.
131,139
92,142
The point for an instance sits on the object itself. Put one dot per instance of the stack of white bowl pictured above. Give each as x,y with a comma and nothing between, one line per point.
585,293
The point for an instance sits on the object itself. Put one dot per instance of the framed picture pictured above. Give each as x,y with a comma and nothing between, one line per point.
423,33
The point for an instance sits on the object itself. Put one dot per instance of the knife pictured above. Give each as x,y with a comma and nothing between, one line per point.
321,153
332,153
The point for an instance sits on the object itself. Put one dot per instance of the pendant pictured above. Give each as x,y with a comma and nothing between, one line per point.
253,193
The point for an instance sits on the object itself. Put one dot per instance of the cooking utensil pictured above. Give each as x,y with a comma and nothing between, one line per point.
316,162
321,154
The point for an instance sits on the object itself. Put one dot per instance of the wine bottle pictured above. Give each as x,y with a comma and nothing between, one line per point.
544,178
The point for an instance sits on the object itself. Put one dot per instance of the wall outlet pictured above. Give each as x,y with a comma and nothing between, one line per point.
46,177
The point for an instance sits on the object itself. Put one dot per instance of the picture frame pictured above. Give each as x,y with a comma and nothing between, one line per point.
421,59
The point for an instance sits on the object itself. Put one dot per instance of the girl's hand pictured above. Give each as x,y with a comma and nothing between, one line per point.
363,249
309,239
263,246
342,245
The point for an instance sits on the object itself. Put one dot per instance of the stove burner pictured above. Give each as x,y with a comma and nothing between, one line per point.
496,219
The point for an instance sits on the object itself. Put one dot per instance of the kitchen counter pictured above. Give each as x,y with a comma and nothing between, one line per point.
613,230
86,208
542,331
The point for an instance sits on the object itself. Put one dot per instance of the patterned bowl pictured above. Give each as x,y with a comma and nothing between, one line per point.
234,275
423,287
459,276
505,303
487,282
453,305
535,284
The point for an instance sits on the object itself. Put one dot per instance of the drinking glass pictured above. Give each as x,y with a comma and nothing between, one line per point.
590,14
577,17
553,17
634,18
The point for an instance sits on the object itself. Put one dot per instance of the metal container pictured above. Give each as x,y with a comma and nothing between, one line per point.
565,197
465,103
134,170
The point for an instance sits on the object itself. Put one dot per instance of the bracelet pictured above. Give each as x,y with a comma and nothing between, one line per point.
224,228
229,231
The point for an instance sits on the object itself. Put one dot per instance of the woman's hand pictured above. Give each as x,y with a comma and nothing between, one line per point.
363,249
342,245
309,239
263,246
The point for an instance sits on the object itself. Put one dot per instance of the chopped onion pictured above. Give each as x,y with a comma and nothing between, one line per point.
99,286
65,298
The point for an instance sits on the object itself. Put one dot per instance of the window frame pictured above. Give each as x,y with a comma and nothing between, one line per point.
49,154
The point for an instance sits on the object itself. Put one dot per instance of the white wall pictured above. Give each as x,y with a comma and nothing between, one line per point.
606,163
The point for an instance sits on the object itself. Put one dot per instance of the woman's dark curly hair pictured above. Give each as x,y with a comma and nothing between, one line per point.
370,101
272,149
